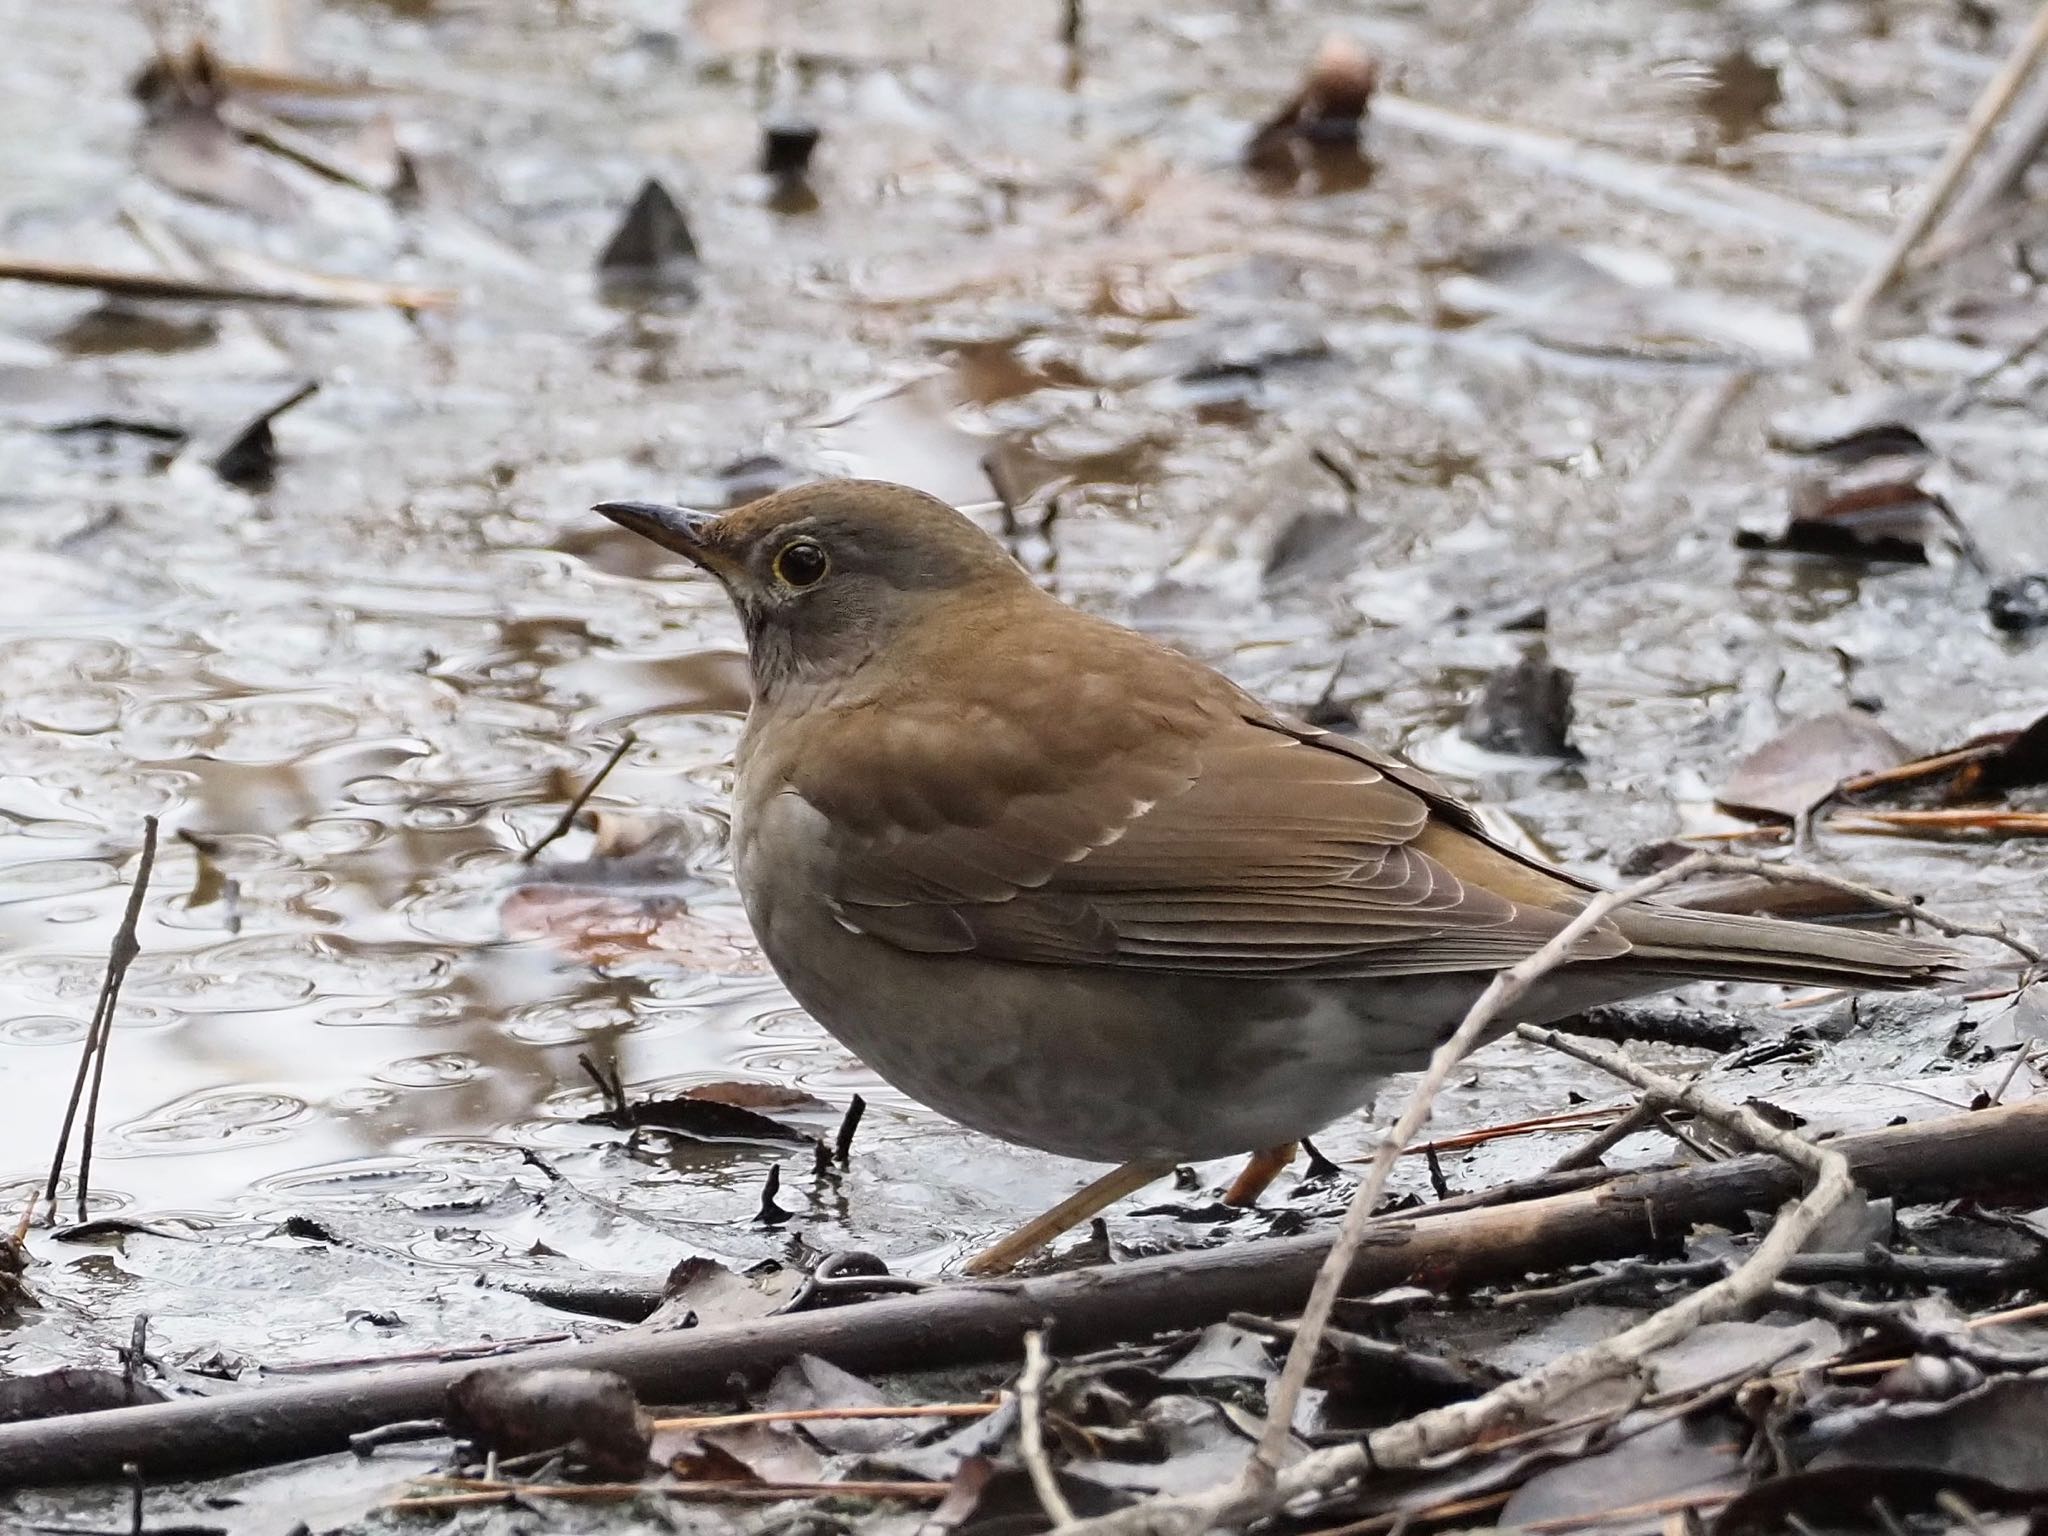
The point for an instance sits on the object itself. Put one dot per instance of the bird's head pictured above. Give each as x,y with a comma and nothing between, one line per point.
827,575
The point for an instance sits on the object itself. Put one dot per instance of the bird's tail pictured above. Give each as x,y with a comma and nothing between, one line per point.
1728,947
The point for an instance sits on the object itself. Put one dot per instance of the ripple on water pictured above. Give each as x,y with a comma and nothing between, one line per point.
53,878
50,659
213,1120
42,1029
367,1178
420,1011
569,1022
79,709
443,1070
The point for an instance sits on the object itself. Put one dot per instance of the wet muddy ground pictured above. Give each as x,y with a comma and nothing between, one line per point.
1342,431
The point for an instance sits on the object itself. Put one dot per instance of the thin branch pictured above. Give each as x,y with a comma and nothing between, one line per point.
575,806
1985,112
1031,1431
1598,1145
92,1059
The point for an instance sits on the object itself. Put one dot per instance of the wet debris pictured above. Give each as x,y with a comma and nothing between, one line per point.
592,1416
1630,304
249,458
2018,605
1326,113
772,1212
1738,92
1877,511
700,1292
1802,766
786,149
189,148
211,885
1848,429
1524,709
711,1112
652,251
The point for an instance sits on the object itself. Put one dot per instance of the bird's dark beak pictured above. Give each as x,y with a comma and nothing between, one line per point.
682,529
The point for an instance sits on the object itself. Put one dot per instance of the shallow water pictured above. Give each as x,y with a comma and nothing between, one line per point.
374,683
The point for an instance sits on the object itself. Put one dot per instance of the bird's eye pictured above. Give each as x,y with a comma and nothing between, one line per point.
802,563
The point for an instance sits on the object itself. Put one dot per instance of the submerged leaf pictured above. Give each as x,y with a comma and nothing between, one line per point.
1799,767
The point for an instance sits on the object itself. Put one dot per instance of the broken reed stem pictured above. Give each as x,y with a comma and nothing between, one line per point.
575,806
1031,1431
1267,1486
1500,992
92,1057
814,1415
1985,112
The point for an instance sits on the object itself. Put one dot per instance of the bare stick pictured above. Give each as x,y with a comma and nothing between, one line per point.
1989,107
1031,1431
345,292
92,1058
1501,991
575,807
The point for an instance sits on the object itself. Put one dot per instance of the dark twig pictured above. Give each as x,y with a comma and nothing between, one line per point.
92,1060
772,1213
575,807
842,1144
1896,1323
1600,1143
403,1432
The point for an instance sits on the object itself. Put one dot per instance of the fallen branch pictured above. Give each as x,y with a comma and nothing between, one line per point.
1991,1154
582,798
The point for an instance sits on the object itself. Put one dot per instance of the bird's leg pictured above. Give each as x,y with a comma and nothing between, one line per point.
1002,1256
1260,1170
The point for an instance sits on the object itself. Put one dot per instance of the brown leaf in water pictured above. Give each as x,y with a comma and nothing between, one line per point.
1877,511
606,927
1799,767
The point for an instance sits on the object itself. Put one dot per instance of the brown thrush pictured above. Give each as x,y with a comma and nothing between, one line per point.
1081,892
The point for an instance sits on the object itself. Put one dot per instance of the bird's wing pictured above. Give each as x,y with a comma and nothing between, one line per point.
1197,833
